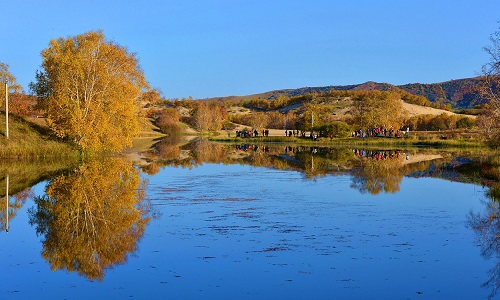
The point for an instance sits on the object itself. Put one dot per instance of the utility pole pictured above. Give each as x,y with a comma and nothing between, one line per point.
6,110
7,204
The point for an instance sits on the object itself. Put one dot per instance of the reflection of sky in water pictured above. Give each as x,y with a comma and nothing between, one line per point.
229,231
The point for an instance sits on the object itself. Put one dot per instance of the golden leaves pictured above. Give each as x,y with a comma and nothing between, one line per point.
92,217
93,87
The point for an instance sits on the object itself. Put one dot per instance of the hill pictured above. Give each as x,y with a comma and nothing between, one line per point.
461,93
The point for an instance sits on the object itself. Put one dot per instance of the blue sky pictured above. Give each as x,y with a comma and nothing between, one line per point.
234,47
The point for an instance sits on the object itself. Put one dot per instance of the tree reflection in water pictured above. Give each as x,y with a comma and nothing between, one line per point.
92,217
383,172
487,228
372,171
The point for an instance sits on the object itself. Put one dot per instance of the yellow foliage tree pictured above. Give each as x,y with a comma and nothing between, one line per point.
7,77
209,115
375,108
89,89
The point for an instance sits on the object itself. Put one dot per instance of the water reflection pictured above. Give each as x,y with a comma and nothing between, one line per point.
16,180
379,175
371,171
92,218
486,225
256,221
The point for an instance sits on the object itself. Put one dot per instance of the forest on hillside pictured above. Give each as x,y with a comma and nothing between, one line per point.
456,94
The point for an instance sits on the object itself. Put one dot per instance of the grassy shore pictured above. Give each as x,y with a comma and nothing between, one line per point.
412,141
31,139
28,140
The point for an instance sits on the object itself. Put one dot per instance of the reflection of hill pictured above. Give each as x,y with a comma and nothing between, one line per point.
22,176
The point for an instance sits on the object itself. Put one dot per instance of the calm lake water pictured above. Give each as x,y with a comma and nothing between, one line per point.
275,223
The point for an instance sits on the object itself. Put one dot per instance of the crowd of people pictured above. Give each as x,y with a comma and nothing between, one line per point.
381,132
251,133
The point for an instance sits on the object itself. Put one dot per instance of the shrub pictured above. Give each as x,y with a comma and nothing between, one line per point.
465,122
336,129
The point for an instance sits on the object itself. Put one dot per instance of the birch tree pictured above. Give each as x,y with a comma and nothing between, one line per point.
88,88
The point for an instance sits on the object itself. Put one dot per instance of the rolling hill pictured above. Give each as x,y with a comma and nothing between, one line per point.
460,93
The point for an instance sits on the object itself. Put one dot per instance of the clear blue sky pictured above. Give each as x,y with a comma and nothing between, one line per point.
210,48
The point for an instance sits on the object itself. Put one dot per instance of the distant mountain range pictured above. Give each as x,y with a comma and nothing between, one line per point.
460,93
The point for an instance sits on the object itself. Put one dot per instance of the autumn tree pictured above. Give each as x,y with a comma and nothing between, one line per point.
22,104
361,103
491,90
208,115
167,119
315,116
92,218
7,77
275,120
257,120
375,108
310,118
281,101
151,97
288,120
19,103
88,88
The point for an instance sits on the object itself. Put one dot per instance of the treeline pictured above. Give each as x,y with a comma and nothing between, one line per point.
440,122
283,101
279,102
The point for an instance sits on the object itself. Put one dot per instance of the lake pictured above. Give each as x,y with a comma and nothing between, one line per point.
225,221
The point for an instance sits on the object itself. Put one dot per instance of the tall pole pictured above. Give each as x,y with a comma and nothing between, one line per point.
6,110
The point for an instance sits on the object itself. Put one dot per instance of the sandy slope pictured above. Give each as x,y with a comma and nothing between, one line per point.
414,110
